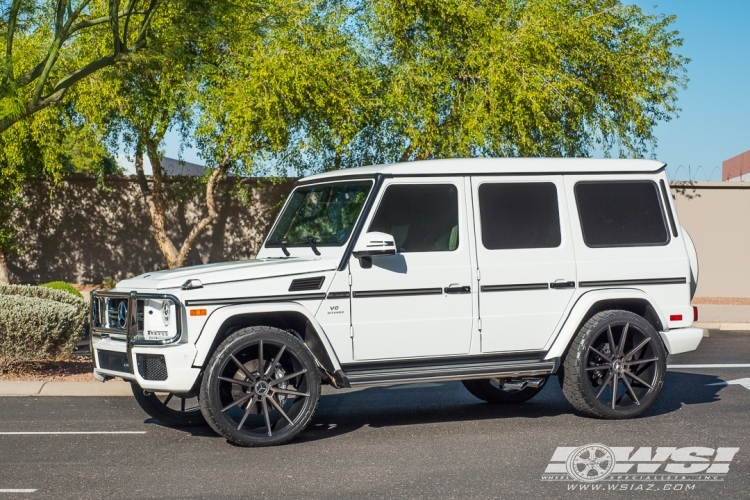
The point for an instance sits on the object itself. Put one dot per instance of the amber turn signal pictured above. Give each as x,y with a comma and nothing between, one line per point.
197,312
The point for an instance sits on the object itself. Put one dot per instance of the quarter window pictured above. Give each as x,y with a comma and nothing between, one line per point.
615,214
421,218
519,215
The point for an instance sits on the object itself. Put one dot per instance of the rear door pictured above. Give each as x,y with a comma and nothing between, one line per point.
526,260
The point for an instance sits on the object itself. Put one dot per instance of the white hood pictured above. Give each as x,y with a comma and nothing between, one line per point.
224,272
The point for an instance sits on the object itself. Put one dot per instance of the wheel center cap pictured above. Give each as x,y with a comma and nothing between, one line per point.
261,388
617,366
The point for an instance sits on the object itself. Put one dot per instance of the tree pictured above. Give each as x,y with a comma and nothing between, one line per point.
517,78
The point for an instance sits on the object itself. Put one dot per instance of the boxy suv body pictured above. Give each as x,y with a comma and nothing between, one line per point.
495,272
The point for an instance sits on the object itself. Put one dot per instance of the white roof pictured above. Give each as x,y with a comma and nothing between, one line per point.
467,166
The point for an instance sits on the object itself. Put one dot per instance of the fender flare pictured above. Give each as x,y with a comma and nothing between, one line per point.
582,306
315,337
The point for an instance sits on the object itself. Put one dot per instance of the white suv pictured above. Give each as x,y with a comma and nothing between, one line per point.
495,272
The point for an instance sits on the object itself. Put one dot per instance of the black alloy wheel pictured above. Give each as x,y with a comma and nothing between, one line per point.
615,367
261,387
172,410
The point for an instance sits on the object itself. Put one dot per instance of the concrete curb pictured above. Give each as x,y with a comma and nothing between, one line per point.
734,327
92,389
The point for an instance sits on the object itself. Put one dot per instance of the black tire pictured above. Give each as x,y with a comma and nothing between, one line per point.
261,387
607,374
169,409
490,391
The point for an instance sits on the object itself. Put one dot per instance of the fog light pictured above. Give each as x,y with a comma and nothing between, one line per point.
675,317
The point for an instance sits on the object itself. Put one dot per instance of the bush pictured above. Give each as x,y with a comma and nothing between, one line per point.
65,287
38,323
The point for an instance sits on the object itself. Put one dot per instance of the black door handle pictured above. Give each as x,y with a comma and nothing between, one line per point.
563,284
457,289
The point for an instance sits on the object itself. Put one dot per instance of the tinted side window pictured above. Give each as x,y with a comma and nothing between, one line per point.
519,215
621,214
421,218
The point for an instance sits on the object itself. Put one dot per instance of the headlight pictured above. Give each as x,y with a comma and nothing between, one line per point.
166,312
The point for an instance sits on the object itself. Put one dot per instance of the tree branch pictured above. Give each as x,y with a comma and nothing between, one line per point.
12,20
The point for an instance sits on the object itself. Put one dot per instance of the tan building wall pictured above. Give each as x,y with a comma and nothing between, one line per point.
717,216
84,234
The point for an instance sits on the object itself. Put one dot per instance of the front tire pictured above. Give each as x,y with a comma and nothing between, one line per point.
261,387
172,410
615,367
491,390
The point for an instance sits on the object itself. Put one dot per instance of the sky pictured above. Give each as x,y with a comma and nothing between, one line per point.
714,123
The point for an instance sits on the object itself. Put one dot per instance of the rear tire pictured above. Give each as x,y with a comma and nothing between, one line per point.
490,390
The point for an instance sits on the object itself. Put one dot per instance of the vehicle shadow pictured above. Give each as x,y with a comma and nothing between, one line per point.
342,412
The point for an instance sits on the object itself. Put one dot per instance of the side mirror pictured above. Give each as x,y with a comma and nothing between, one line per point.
372,244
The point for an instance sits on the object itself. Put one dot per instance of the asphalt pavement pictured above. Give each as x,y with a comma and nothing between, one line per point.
417,441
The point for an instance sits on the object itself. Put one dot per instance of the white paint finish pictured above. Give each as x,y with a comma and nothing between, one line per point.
681,340
520,166
417,325
66,433
729,365
27,490
334,316
523,320
744,382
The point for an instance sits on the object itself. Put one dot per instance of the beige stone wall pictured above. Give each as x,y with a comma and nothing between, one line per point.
717,216
83,233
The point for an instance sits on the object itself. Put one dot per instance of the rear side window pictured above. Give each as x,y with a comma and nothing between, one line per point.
519,215
616,214
421,218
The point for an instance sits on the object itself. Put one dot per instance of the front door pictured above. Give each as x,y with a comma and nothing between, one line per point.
526,261
417,302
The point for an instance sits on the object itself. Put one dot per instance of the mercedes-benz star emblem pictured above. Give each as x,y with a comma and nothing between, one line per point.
122,315
592,462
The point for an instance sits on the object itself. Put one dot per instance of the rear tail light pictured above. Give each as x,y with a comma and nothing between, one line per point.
695,313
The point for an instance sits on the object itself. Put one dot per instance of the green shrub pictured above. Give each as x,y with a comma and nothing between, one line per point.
38,323
65,287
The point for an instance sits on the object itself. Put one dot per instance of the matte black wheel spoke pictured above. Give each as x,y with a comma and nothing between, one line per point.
601,354
237,381
243,368
248,409
637,348
287,377
261,364
275,361
278,407
291,393
640,362
237,402
182,404
265,414
638,379
169,398
604,385
621,347
614,391
630,391
611,339
600,367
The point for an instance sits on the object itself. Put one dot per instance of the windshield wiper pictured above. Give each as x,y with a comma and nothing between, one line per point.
311,241
282,243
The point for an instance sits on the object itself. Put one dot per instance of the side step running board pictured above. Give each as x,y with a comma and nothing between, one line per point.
353,376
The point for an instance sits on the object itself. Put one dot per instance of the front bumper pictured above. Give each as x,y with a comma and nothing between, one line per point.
679,340
179,377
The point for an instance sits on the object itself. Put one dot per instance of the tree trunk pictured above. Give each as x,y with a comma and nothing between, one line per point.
4,272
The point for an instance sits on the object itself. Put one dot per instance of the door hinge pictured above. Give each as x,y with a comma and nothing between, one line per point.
351,332
350,280
479,324
479,275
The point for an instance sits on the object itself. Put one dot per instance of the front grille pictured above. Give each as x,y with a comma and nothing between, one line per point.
152,366
115,361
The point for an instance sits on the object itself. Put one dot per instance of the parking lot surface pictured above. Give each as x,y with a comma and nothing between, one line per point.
415,441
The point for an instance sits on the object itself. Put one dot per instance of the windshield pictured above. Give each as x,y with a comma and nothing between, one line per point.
324,215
